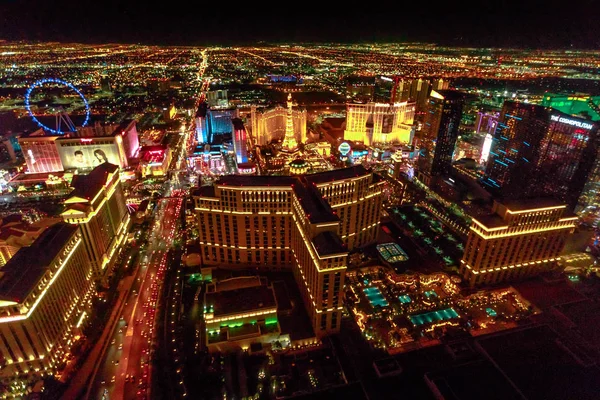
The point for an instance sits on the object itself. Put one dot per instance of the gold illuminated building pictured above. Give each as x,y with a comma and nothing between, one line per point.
308,223
519,240
277,124
372,123
98,205
45,296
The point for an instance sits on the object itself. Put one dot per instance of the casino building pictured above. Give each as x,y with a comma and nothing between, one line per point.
518,240
80,151
268,125
97,204
538,151
45,294
308,223
372,123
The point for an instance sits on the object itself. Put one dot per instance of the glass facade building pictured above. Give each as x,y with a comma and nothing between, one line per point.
538,151
440,131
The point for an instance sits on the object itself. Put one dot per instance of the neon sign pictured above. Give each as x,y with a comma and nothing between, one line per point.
573,122
344,148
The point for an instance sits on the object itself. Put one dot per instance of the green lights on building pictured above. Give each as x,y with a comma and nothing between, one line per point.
578,105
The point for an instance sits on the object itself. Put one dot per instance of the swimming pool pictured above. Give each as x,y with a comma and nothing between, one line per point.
404,299
430,293
433,316
375,297
491,312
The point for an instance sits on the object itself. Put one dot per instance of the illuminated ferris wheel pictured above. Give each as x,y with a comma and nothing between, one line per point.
63,121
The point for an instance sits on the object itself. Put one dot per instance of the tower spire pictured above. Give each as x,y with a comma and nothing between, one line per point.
289,141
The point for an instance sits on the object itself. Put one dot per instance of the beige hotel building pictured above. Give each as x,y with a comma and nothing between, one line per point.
45,295
97,204
520,239
372,123
308,223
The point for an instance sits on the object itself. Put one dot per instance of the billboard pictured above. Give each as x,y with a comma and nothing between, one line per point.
40,155
88,153
387,123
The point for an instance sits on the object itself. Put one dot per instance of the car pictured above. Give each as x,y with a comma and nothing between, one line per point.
113,379
112,342
120,346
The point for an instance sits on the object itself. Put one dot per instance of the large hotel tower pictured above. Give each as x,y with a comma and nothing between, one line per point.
309,223
520,239
372,123
98,205
439,133
45,294
539,151
272,124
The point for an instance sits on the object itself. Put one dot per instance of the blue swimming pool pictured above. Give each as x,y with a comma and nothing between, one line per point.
433,316
404,299
375,297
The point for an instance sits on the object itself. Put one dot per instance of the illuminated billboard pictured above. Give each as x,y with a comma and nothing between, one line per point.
40,154
87,153
573,122
487,146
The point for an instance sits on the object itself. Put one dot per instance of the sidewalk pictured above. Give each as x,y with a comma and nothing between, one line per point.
79,383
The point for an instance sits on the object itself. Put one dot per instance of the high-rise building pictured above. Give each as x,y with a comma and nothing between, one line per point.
372,123
416,90
360,89
115,144
590,195
240,140
486,121
45,294
202,123
440,131
217,98
538,151
269,125
213,123
97,204
519,239
220,121
578,105
308,223
105,84
129,137
40,152
16,234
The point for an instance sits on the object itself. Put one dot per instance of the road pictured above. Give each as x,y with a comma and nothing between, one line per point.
129,353
124,372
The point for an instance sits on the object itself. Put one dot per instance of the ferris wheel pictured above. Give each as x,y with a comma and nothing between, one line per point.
63,121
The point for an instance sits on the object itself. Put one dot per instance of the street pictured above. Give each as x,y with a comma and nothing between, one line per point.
124,372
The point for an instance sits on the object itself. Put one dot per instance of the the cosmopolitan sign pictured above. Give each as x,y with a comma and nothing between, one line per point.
574,122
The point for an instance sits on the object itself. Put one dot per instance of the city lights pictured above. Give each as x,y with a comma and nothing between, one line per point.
275,220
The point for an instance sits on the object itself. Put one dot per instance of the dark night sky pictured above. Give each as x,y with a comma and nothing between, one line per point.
524,23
